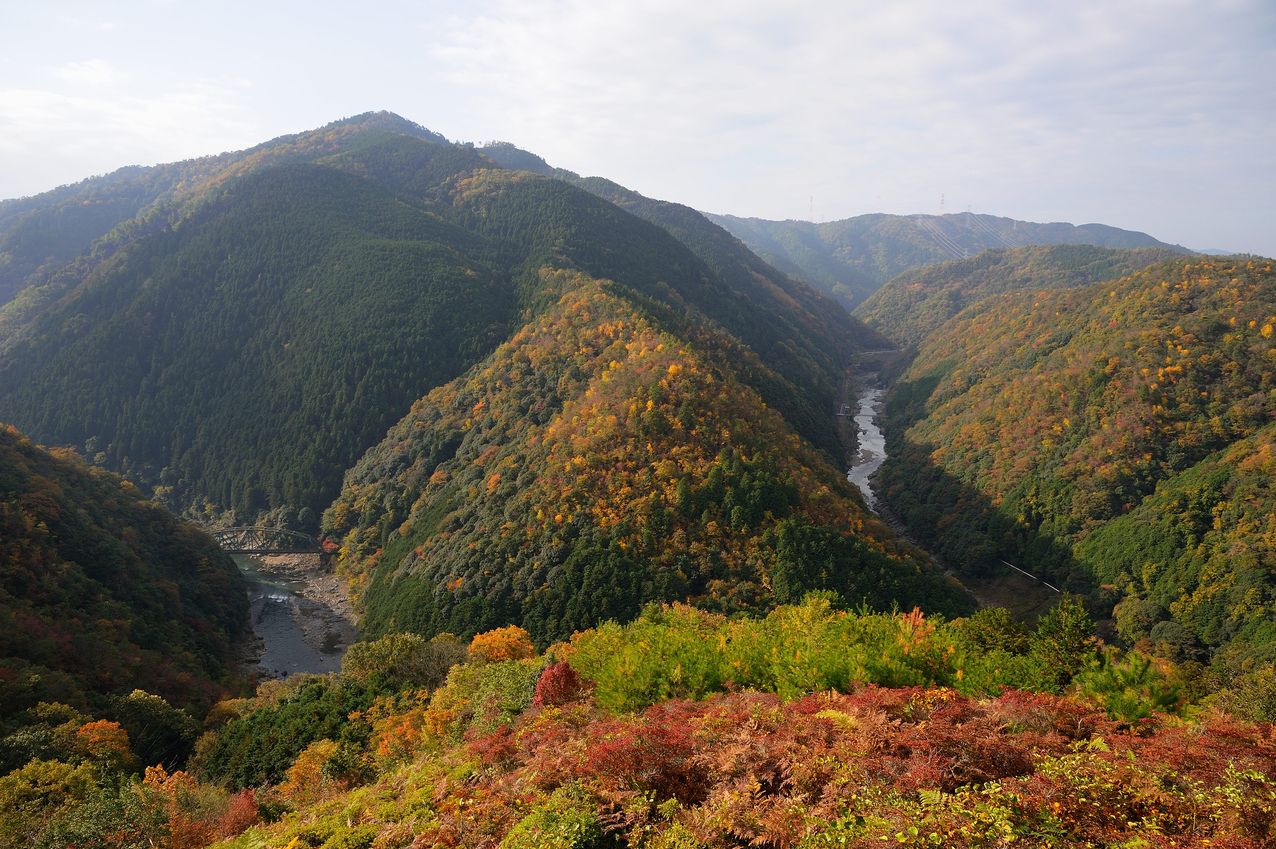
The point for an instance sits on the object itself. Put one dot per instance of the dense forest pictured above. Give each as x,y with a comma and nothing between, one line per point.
1115,437
120,625
852,258
598,461
239,344
911,306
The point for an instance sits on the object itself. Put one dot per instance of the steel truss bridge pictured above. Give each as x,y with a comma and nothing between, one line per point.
258,540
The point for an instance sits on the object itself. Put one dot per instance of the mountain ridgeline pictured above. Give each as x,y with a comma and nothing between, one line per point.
911,306
850,259
612,401
242,342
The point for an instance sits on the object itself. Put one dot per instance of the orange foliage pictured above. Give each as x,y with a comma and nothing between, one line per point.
104,740
508,643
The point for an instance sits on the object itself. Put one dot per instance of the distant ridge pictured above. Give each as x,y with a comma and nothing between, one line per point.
850,259
917,302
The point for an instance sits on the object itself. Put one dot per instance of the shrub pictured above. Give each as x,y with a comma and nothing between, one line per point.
567,820
558,685
402,661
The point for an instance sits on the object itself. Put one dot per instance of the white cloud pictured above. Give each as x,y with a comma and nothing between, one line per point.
93,72
1156,114
1055,110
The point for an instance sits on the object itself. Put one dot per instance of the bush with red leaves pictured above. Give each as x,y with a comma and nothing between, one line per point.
559,685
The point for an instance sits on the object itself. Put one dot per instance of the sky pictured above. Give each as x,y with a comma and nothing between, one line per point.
1153,116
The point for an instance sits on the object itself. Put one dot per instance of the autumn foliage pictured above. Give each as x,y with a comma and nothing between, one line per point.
508,643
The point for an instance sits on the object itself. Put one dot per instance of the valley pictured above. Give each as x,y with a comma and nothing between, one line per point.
636,530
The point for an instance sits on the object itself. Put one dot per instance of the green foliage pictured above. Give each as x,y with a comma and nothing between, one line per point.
678,652
566,820
1062,643
103,591
259,746
402,661
159,733
1128,686
1251,696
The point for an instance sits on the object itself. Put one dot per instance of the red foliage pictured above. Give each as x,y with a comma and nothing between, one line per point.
494,748
559,685
240,815
750,769
653,752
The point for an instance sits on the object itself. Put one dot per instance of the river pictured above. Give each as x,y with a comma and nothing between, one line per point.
872,443
295,633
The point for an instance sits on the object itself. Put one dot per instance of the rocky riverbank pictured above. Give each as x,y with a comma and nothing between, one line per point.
301,615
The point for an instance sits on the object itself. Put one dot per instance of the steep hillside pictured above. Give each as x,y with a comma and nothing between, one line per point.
914,304
102,591
1032,421
247,357
608,455
852,258
240,345
1193,561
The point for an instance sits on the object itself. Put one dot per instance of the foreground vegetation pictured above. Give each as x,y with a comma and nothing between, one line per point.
811,727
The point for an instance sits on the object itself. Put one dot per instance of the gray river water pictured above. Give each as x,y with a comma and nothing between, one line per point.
872,443
296,634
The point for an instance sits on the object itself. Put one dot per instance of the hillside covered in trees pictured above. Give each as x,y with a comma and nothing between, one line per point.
103,592
914,304
606,456
850,259
1116,437
242,340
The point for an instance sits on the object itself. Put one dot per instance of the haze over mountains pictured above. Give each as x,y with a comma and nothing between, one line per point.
850,259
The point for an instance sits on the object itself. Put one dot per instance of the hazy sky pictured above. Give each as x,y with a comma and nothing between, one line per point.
1155,116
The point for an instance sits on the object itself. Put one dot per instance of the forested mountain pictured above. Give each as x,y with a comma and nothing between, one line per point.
102,591
267,317
610,454
1115,436
914,304
39,233
850,259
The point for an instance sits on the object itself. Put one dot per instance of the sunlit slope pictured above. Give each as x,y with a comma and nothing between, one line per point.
596,462
1031,421
914,304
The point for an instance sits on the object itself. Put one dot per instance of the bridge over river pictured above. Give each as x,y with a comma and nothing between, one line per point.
261,540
